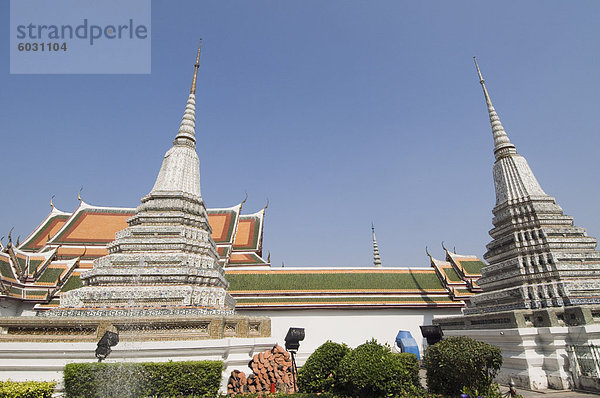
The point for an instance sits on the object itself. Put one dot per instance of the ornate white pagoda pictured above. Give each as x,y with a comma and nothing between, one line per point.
541,289
537,257
165,262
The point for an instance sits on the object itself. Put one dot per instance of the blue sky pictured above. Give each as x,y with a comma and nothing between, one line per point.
340,112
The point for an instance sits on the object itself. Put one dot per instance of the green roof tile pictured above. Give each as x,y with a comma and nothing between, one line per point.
15,290
50,275
33,264
452,275
472,266
74,282
341,300
5,269
333,281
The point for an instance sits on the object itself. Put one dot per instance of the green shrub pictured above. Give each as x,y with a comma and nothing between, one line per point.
458,362
372,370
26,389
162,379
319,370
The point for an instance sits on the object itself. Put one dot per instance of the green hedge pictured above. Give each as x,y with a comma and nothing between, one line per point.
131,380
458,363
318,373
372,370
26,389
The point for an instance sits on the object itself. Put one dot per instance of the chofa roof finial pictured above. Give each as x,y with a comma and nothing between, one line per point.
52,201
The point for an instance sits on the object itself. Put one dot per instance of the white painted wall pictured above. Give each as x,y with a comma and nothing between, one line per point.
45,361
351,326
11,307
536,358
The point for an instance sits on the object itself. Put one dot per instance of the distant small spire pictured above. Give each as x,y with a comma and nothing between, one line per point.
502,145
376,258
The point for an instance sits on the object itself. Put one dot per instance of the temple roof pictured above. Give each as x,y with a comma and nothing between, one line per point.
89,229
92,225
459,273
249,232
82,236
47,228
338,288
224,223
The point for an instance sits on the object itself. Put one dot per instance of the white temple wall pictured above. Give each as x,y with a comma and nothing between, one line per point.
9,307
45,361
350,326
537,358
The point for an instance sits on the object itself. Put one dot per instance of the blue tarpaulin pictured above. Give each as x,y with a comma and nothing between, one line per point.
405,341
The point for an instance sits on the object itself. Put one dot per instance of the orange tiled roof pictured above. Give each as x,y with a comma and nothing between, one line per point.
89,229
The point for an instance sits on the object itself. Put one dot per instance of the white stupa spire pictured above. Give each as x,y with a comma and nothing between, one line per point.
187,129
513,178
180,170
502,145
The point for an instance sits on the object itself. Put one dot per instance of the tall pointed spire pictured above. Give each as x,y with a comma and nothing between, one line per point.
180,171
187,129
502,145
376,258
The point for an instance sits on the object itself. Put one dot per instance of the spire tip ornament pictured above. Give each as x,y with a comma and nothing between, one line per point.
196,66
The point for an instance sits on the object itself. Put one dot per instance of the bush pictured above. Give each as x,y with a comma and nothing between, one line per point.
182,379
372,370
461,362
26,389
318,373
